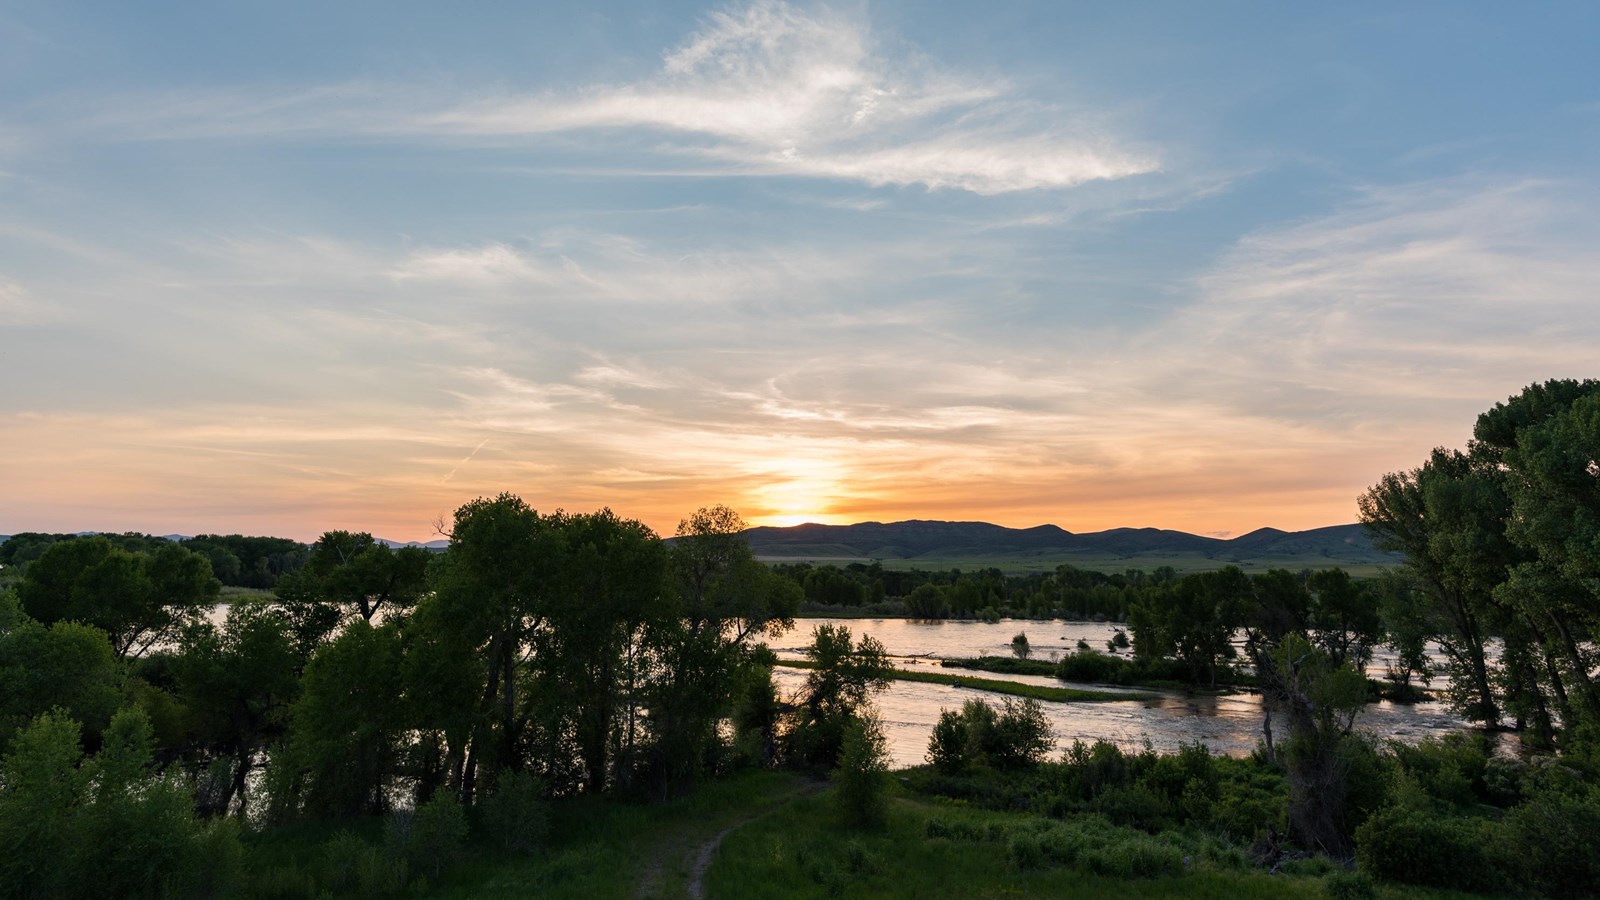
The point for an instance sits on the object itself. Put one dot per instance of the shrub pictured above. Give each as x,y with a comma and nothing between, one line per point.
1414,847
1016,737
1019,646
1020,736
517,815
1558,839
862,778
1349,886
947,748
433,836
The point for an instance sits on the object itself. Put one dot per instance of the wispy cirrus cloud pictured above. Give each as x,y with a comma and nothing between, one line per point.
1440,289
764,88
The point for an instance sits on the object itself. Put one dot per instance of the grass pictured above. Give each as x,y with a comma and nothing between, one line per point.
231,594
996,686
784,839
598,847
803,851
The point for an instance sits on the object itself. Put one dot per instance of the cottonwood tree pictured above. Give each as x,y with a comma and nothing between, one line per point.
350,574
838,686
1500,542
138,599
723,601
236,683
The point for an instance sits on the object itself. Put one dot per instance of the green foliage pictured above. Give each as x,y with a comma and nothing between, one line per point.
517,815
1556,835
136,598
1019,646
862,779
1414,847
346,728
105,826
432,837
235,684
1094,667
841,678
249,562
1349,886
65,665
1016,737
357,575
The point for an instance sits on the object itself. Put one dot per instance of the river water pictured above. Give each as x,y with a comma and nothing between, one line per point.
1230,725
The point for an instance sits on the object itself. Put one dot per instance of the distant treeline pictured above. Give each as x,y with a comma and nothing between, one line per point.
237,560
1068,592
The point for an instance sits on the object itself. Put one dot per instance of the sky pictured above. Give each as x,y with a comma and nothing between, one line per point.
280,268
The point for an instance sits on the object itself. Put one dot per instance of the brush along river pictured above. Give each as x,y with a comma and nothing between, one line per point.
1228,724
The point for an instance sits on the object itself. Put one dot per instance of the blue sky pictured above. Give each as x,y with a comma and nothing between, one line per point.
282,268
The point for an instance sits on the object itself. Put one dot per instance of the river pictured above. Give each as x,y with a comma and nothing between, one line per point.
1230,725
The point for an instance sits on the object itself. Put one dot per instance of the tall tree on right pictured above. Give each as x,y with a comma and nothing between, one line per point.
1501,542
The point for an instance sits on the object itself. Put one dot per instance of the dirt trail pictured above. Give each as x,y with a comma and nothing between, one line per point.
650,885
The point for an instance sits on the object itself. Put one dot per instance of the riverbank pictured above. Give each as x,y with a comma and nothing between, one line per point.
996,686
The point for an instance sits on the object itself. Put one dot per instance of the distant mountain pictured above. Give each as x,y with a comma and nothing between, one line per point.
436,545
935,542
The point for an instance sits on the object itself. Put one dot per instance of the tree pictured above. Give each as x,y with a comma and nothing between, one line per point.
346,735
351,574
138,599
592,653
1343,617
1552,473
65,666
1500,541
1193,620
493,589
862,777
722,600
237,683
1019,646
1448,520
1017,736
841,679
1319,696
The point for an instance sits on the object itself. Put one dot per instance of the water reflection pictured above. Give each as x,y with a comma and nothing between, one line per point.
1229,724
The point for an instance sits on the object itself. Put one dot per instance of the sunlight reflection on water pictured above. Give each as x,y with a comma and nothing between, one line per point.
1230,724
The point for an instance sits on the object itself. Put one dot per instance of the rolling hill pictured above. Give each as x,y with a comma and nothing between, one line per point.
933,544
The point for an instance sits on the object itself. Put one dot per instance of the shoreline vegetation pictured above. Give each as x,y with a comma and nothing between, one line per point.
994,685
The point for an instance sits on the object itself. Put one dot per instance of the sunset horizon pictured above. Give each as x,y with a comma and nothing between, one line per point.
1200,270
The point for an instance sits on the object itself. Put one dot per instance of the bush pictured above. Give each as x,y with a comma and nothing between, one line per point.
103,827
1557,837
862,778
1020,736
1017,737
432,837
947,748
1349,886
1414,847
517,815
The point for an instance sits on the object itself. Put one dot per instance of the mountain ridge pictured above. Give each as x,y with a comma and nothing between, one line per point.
934,540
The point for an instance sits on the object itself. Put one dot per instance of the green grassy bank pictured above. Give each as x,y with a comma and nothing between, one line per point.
997,686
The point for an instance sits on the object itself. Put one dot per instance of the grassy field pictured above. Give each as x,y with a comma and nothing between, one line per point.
802,850
996,686
778,835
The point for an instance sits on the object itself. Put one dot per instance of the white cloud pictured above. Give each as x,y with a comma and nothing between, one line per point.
489,264
778,89
764,88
